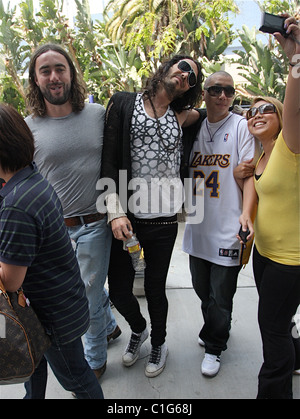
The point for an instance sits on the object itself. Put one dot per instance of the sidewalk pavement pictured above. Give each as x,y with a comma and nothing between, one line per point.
182,378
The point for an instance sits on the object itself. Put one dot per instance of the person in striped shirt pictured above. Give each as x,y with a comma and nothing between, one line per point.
36,253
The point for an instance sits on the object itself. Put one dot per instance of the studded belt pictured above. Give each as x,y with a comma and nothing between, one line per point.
157,221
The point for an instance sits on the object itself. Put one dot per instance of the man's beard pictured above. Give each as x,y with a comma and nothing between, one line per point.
59,100
170,89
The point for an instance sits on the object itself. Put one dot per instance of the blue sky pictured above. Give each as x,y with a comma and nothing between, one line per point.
250,15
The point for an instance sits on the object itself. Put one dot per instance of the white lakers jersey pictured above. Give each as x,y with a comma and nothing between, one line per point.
217,150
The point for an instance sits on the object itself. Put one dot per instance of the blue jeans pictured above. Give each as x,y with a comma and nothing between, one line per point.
93,243
71,370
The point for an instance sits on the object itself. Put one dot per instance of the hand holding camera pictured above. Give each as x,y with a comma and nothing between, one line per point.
286,30
273,23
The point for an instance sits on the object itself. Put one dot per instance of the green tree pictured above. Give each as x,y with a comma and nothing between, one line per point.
119,52
160,28
11,58
279,6
264,65
20,35
97,59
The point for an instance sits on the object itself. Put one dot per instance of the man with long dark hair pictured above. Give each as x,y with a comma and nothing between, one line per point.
74,92
68,137
143,137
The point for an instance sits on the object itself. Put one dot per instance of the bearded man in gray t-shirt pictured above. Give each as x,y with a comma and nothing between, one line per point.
68,137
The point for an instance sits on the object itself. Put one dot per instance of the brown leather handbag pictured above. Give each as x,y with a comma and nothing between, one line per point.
23,340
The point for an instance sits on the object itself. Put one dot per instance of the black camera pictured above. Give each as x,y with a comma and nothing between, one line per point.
273,23
244,234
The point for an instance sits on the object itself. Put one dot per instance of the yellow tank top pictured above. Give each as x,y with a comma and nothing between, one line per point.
277,223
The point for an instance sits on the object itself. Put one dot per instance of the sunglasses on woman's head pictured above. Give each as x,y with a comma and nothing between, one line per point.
186,68
262,109
215,91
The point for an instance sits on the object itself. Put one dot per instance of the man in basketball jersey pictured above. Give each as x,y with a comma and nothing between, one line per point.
222,143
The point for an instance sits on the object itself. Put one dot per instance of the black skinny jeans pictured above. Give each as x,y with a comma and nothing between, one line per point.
279,297
158,242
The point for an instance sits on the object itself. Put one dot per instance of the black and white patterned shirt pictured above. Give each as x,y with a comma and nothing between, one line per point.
155,155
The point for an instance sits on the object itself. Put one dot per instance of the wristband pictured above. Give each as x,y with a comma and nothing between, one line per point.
294,65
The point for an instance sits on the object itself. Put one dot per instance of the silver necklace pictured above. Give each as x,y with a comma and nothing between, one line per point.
166,146
212,136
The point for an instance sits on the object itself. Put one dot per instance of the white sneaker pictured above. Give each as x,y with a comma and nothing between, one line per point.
201,342
132,351
210,365
297,372
157,360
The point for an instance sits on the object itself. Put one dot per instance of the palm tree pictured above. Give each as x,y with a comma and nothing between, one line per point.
11,56
181,24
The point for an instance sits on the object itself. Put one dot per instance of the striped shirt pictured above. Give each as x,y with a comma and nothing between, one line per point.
33,234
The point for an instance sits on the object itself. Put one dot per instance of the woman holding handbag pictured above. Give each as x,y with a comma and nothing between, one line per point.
36,253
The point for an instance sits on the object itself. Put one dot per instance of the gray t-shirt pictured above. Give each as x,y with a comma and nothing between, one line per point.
68,153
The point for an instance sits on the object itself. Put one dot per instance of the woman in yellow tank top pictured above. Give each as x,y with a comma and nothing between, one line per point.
276,256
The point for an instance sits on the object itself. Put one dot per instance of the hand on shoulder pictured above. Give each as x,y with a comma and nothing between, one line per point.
188,117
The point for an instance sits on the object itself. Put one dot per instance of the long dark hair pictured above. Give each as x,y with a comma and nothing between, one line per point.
35,99
16,140
189,99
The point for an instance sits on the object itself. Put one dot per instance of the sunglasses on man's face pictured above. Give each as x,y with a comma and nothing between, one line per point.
262,109
216,91
186,68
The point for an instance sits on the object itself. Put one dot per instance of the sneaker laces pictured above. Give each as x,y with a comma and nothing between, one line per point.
133,343
155,355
